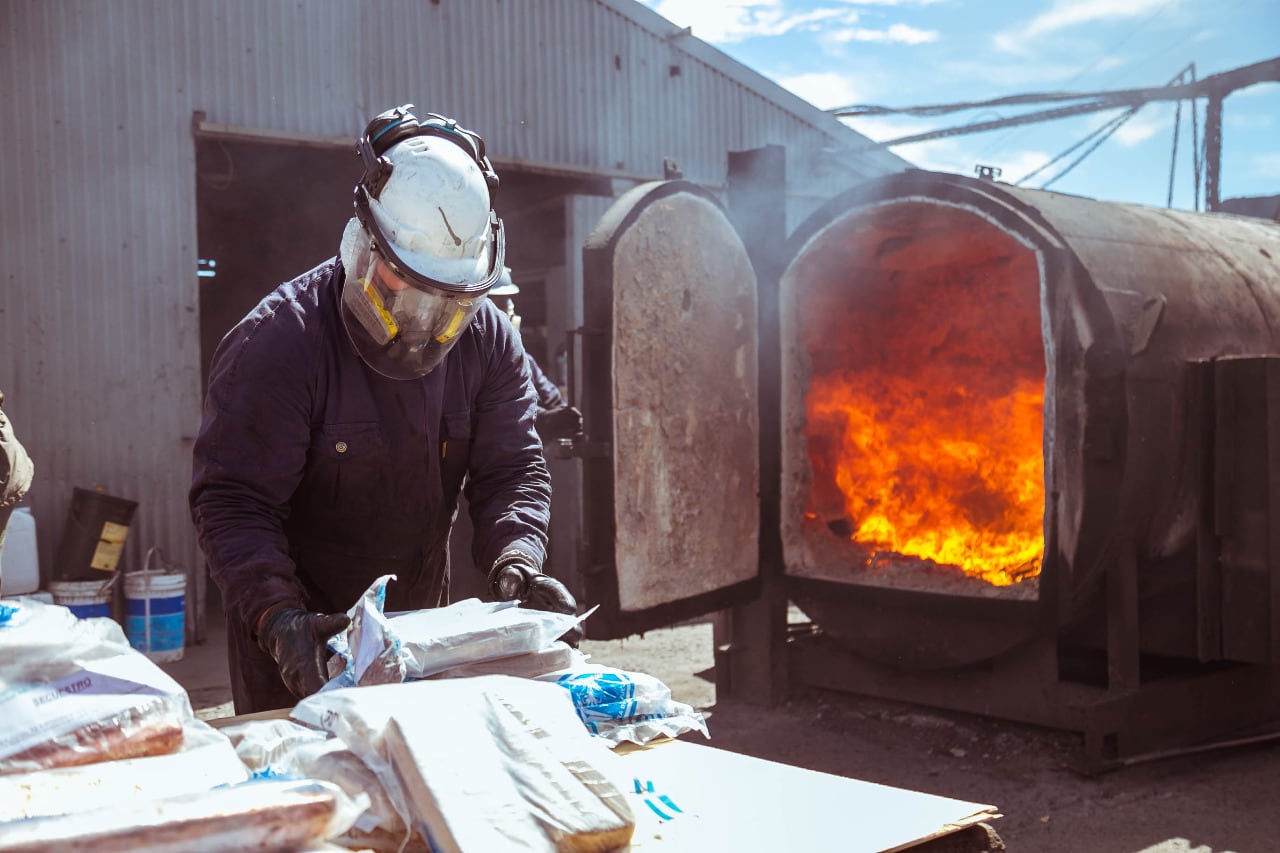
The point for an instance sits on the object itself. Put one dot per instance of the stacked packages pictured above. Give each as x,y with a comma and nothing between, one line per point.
464,728
99,749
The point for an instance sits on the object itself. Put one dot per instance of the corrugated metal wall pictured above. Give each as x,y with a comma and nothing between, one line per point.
99,333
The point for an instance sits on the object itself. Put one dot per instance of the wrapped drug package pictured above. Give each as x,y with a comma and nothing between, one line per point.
382,648
285,749
73,692
484,763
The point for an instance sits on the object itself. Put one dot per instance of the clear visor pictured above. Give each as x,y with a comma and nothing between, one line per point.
403,311
416,326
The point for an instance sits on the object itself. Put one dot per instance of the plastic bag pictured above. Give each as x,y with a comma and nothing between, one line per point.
482,759
256,815
554,658
368,652
619,706
205,761
285,749
422,643
73,691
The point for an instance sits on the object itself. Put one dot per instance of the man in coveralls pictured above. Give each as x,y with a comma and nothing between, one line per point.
556,418
346,410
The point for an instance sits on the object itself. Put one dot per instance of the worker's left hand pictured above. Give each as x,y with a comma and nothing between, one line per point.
518,580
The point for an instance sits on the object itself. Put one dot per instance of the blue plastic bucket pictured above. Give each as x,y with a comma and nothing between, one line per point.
86,599
155,613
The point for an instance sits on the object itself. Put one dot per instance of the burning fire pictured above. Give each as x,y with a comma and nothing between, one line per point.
925,416
950,476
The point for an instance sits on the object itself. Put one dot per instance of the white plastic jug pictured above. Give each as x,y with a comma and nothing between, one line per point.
19,566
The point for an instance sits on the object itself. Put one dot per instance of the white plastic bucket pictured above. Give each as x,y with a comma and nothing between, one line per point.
155,613
86,599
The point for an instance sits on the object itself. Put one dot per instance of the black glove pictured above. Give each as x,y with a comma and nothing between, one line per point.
515,578
561,422
298,642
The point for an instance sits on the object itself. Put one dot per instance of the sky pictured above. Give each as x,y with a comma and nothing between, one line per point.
907,53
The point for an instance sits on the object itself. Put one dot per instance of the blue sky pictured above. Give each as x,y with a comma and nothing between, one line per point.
901,53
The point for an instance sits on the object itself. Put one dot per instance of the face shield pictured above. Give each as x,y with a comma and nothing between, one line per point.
401,326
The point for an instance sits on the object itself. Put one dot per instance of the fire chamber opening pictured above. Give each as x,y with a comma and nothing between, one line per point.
924,407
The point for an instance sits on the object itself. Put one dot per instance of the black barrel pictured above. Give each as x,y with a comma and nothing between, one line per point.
94,536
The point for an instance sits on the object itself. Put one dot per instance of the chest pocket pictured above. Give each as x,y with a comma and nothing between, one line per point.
455,454
346,469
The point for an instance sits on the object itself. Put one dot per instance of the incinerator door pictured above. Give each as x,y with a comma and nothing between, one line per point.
671,409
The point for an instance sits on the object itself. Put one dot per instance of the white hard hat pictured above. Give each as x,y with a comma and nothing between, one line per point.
435,210
505,286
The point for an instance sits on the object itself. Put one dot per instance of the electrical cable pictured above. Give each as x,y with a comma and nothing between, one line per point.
1177,131
1115,126
1197,155
1173,157
1100,129
1094,106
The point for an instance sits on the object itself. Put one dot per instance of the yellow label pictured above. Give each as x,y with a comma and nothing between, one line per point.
110,544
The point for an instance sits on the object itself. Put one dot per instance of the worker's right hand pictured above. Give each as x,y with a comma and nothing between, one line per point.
298,642
558,423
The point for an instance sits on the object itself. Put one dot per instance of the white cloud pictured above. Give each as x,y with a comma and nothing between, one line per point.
1008,76
1064,14
826,90
1145,124
898,33
727,21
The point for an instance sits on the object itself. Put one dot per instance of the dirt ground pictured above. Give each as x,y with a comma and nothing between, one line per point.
1210,802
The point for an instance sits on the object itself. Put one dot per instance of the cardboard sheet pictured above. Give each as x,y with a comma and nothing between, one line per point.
687,796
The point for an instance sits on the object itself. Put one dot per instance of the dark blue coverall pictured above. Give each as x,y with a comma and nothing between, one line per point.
314,474
549,396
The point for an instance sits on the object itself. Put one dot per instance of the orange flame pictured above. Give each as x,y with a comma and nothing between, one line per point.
949,480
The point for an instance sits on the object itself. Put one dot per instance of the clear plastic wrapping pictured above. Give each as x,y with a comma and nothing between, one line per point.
283,748
258,815
489,763
73,692
206,761
383,648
